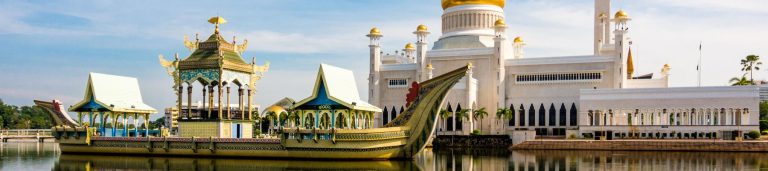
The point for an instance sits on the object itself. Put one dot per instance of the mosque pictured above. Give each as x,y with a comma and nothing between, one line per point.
582,95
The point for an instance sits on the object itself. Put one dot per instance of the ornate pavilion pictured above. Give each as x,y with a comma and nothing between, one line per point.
217,67
334,104
113,99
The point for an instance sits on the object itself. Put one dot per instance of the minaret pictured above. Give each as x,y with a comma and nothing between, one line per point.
602,26
421,51
621,44
518,44
501,49
373,78
409,49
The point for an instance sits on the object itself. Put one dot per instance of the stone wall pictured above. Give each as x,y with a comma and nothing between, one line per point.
644,145
471,141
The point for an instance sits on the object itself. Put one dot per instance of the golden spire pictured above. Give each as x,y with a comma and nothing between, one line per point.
216,21
500,23
630,64
409,46
621,15
452,3
375,31
518,39
421,27
429,66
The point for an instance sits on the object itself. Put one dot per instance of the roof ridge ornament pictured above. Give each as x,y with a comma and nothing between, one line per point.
216,21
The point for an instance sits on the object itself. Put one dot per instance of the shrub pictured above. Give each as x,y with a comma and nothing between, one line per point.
572,136
763,125
764,133
753,134
475,132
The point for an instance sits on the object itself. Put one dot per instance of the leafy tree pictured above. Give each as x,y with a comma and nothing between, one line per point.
462,115
478,114
749,64
159,122
740,81
503,114
445,114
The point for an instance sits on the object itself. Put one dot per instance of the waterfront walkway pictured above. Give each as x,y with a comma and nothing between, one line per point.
25,134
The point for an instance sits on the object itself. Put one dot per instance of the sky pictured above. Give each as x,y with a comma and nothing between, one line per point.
47,48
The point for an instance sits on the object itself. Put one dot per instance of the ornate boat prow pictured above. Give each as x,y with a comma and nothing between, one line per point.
57,112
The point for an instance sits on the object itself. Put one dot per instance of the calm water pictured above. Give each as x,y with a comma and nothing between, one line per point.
45,156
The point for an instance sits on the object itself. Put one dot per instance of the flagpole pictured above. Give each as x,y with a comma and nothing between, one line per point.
698,66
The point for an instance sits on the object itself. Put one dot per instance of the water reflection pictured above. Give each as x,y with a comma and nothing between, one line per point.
91,162
45,156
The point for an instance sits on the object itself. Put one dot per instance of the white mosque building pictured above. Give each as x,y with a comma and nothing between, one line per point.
580,95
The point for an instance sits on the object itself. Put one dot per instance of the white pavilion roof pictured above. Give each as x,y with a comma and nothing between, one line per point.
116,93
341,87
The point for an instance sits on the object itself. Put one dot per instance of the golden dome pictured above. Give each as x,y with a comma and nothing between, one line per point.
276,109
452,3
621,14
409,46
499,22
518,39
375,31
421,27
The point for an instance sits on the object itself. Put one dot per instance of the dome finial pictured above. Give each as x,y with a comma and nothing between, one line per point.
421,27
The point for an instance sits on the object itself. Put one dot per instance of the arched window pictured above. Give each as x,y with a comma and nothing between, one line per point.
542,115
384,117
522,115
573,114
512,118
562,114
552,114
531,116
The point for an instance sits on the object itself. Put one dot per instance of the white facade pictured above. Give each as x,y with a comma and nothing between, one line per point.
544,93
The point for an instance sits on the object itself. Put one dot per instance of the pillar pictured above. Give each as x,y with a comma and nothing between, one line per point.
114,124
125,124
219,93
204,100
210,100
178,101
101,123
146,124
240,101
249,105
189,101
135,125
229,112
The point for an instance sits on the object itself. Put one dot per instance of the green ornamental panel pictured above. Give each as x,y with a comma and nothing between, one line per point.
208,75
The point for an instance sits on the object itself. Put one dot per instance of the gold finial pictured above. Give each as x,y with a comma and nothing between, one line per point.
409,46
429,66
216,21
469,64
500,23
518,39
375,31
621,15
421,27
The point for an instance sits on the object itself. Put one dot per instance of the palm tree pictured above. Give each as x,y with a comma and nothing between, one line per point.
271,116
462,115
749,64
294,118
445,114
740,81
503,114
478,114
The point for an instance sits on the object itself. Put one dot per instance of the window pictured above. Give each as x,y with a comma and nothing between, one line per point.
569,77
397,83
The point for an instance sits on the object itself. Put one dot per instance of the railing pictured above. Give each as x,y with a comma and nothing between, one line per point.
26,132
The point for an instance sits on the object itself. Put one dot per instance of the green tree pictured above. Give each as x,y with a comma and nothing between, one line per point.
478,114
445,114
740,81
749,64
504,114
462,115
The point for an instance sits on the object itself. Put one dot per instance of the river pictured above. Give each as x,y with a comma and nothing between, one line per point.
22,156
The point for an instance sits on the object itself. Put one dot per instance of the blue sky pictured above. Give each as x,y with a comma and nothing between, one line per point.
47,48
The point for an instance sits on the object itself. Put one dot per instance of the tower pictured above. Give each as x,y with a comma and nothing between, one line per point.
375,57
602,24
470,17
518,44
421,51
501,46
621,44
